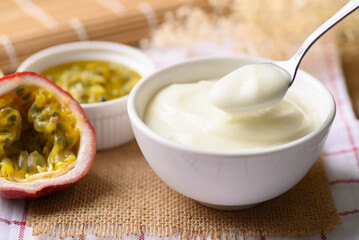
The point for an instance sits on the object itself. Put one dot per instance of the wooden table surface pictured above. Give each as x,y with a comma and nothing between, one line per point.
351,72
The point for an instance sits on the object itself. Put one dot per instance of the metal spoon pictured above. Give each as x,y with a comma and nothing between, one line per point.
256,86
291,66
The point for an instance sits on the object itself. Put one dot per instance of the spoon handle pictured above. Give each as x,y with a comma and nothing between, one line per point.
293,63
337,17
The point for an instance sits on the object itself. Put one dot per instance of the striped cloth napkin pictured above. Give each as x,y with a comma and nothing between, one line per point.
341,151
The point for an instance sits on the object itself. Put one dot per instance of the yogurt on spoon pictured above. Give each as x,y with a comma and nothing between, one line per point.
249,88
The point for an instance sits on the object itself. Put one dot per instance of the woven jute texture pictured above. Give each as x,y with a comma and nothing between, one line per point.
122,195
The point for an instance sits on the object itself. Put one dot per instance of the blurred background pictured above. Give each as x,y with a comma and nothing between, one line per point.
266,28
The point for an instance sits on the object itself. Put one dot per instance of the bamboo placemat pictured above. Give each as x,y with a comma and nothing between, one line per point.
27,26
122,195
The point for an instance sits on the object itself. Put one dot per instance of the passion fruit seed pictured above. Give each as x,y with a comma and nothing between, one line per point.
6,111
35,160
23,162
12,118
55,114
7,168
60,126
26,97
69,141
20,91
63,159
36,141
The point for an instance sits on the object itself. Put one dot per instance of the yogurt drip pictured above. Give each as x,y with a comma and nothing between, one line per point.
250,87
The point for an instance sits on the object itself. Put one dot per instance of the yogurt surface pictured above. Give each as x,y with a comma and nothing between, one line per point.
184,113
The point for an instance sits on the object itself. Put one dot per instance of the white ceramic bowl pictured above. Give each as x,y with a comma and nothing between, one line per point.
227,179
110,118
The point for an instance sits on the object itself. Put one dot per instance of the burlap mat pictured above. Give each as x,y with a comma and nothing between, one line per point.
122,195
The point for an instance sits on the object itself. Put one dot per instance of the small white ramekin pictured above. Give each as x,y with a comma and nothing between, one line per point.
228,179
110,118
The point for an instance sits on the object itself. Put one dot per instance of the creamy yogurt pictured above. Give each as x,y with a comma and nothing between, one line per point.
184,113
250,87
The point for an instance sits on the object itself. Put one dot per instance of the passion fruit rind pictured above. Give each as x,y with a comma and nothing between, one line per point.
44,134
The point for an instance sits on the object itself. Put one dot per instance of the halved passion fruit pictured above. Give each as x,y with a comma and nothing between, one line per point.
46,141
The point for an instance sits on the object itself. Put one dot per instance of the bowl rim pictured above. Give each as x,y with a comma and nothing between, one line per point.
136,121
82,45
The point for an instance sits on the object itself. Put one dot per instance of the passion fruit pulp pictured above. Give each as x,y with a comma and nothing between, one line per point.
46,141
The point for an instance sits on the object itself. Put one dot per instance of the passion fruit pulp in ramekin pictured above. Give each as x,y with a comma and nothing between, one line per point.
46,141
93,81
